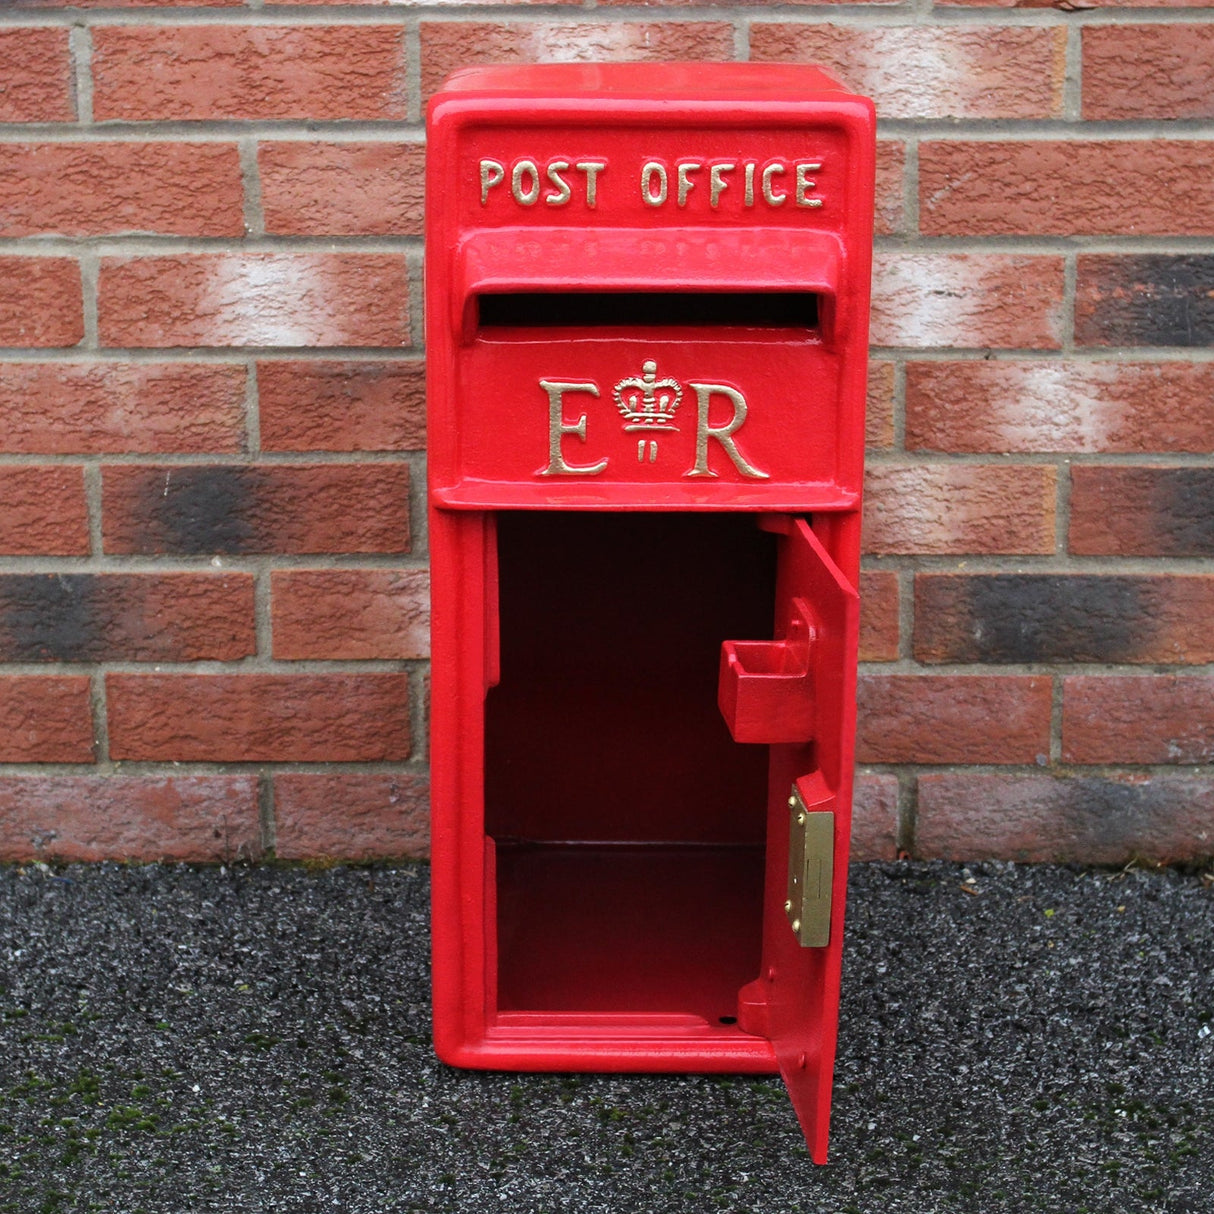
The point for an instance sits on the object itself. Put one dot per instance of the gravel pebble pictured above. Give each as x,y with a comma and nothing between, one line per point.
1013,1038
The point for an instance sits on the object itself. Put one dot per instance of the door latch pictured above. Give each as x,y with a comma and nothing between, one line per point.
811,867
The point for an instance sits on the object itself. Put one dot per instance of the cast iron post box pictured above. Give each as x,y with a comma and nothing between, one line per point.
647,310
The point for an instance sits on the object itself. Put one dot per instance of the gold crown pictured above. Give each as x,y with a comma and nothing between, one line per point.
648,403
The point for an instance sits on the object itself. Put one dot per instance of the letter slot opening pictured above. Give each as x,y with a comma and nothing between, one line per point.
619,309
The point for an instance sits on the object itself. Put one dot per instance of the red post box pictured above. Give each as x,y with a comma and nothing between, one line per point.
647,310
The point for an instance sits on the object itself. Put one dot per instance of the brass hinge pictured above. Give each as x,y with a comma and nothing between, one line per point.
811,868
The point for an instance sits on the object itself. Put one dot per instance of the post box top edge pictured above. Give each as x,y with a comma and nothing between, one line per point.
665,82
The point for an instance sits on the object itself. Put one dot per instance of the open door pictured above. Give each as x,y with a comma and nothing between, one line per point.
797,694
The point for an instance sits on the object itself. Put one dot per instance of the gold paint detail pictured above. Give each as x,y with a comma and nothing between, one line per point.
493,172
723,434
811,863
646,402
558,428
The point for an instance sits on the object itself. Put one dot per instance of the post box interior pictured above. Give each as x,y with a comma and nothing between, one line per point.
626,827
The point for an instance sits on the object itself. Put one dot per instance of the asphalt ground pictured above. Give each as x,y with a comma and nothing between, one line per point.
223,1039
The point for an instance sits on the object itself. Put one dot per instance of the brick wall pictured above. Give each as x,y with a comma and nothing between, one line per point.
213,579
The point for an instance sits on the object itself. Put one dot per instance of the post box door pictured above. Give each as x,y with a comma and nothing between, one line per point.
797,693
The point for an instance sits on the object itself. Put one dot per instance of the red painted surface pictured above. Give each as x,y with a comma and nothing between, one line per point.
646,377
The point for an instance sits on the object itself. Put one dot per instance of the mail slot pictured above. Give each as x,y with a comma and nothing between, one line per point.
646,311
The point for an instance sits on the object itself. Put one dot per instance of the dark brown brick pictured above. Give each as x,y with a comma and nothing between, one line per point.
42,511
340,405
351,815
191,819
279,508
45,719
125,617
259,718
1049,617
1145,299
1138,719
1124,511
1091,819
924,718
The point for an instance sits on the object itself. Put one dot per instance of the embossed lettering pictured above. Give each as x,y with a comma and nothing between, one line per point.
558,428
684,175
592,169
717,182
769,194
528,196
651,170
723,434
563,192
493,172
805,183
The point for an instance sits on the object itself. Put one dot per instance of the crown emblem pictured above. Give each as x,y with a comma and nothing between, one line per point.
648,403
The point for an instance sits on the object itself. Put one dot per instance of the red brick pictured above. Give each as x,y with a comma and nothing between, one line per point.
928,718
920,71
1123,511
41,301
1064,617
255,299
208,72
1039,406
879,601
874,823
342,405
140,617
94,189
967,300
45,719
449,45
259,718
191,819
35,76
1061,188
890,211
342,189
146,3
42,511
946,508
1093,819
1138,719
59,408
1148,71
879,411
291,509
351,815
1144,299
350,613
